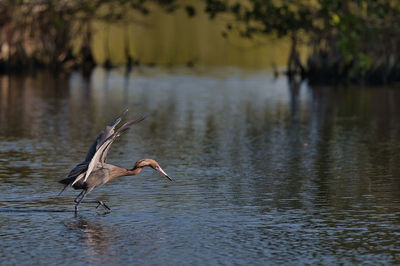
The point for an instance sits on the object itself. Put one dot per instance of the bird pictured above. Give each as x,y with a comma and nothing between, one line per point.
94,171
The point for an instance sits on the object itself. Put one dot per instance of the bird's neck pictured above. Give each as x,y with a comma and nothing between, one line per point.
133,171
118,172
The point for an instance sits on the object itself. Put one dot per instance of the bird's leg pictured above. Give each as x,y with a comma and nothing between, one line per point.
76,199
79,201
103,204
99,203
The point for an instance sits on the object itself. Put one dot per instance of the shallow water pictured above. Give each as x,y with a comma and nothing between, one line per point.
264,172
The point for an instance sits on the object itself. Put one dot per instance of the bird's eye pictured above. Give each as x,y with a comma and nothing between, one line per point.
157,167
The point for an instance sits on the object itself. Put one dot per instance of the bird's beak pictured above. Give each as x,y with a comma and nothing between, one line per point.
164,173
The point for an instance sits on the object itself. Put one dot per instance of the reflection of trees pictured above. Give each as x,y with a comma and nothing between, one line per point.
295,141
355,133
210,140
322,126
25,100
324,152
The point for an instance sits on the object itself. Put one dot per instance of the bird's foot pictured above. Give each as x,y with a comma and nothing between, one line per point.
103,204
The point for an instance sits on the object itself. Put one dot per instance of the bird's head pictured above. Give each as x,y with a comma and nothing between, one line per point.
153,164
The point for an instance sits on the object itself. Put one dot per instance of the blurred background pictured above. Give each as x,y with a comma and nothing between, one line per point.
278,121
323,41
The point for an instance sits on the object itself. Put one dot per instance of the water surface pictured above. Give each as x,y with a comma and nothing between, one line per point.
265,173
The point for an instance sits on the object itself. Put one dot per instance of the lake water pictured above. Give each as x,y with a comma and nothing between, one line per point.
264,172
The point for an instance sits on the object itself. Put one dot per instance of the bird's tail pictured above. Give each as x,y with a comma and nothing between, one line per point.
67,182
65,187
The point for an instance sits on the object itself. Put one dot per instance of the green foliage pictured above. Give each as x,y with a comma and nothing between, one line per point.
353,37
190,10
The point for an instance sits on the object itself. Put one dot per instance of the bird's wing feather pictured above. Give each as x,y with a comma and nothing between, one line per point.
78,169
75,174
118,133
101,153
102,137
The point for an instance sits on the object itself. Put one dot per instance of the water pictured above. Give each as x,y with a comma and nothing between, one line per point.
264,173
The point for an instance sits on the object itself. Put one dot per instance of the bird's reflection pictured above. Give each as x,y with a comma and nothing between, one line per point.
97,237
103,243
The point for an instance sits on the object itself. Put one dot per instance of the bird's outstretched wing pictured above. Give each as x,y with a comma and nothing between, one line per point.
102,152
100,155
105,134
79,171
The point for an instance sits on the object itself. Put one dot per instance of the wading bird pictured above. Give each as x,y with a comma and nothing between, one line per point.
95,172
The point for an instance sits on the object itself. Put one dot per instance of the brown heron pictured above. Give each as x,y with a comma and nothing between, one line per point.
95,172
